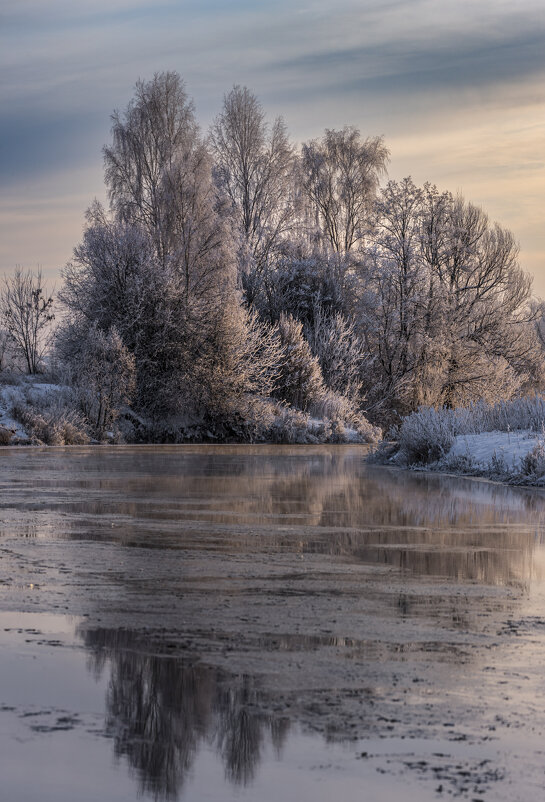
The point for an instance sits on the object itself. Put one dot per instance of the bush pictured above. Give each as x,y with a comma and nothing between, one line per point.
533,464
299,383
426,436
6,436
48,416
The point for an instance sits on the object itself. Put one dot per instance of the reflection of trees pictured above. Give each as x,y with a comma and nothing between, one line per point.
161,709
315,500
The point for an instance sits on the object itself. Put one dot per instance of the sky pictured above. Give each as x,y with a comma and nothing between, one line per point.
455,86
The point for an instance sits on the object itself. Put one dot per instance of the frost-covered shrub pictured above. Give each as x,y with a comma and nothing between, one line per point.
49,416
459,463
533,463
334,341
290,426
342,413
519,413
6,436
299,383
426,435
497,465
102,373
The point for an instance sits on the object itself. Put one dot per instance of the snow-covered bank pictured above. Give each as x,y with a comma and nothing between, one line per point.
504,441
516,457
34,412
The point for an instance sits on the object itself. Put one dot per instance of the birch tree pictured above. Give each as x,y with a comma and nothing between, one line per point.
340,175
255,169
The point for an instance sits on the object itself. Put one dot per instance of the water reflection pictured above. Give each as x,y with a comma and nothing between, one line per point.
303,501
161,710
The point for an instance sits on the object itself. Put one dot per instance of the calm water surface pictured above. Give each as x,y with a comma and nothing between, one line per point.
264,623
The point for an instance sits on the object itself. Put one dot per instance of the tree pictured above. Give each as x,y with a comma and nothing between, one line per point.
340,176
26,310
161,268
103,374
157,128
254,168
445,314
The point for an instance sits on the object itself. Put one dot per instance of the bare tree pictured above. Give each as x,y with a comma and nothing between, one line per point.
446,314
156,129
26,311
254,167
340,177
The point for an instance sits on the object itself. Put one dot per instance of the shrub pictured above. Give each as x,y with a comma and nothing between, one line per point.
48,416
426,435
533,464
299,383
5,436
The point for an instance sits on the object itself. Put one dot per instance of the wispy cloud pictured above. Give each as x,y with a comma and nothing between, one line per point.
419,71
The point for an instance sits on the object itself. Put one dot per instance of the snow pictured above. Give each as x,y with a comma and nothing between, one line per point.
27,389
6,402
487,448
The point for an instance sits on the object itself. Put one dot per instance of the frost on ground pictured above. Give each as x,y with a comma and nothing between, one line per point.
35,412
507,450
504,441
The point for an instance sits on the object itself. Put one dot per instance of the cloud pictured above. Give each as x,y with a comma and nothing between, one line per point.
419,71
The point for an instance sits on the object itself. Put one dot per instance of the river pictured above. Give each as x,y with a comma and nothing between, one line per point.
261,623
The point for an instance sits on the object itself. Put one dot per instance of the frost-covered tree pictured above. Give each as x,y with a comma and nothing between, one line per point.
445,313
393,308
116,280
300,382
157,128
26,312
254,166
340,176
161,268
103,373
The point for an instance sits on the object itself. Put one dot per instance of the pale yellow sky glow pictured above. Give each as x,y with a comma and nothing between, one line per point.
456,87
496,159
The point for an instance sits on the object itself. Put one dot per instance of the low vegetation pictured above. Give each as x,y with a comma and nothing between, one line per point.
504,441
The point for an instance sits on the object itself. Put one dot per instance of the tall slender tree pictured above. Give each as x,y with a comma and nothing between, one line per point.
341,175
255,169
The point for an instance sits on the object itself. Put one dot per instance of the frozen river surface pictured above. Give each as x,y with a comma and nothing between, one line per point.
266,623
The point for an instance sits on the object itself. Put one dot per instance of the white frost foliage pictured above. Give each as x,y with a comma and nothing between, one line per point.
427,435
103,374
47,413
300,381
334,341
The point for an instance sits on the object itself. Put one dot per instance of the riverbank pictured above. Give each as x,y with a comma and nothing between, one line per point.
34,411
504,442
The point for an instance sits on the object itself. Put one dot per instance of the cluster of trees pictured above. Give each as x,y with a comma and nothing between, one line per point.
231,268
